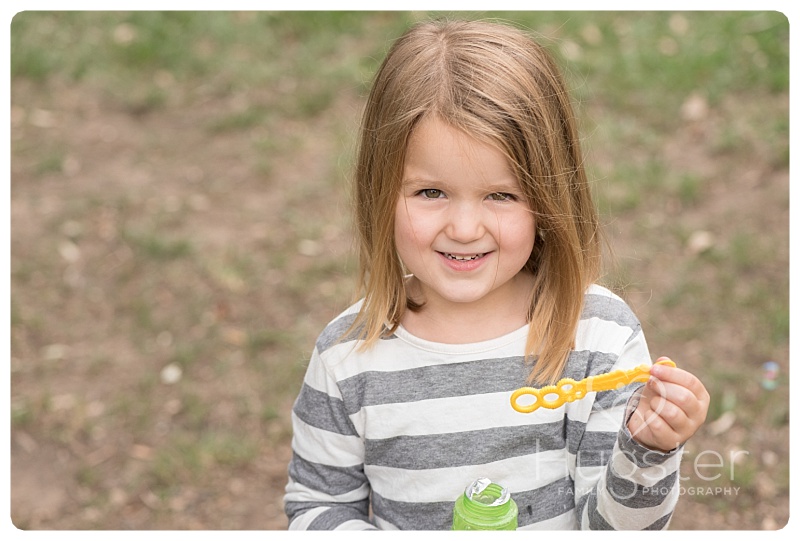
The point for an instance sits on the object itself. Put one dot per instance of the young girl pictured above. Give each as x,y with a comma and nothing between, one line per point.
479,252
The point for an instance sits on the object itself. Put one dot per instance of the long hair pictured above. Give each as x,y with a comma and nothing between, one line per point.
495,83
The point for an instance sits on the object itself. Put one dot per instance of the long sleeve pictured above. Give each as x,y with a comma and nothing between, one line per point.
630,487
327,487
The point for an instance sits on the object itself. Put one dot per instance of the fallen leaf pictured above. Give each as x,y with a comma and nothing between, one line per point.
699,242
695,108
171,374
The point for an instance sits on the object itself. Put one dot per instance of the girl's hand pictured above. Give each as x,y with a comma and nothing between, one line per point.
672,407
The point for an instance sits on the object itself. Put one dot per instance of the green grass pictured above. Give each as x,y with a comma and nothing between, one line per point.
250,48
154,246
185,457
125,52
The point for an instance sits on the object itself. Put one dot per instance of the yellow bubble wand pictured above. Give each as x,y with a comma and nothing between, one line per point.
569,390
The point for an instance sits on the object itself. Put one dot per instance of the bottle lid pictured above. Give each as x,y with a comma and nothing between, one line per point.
477,493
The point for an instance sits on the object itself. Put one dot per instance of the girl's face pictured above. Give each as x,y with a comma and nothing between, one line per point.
463,227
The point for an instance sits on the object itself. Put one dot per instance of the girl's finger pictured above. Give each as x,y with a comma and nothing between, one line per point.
678,376
692,409
672,414
675,393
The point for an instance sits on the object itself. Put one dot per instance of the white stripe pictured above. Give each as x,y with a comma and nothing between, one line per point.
318,378
597,289
572,461
587,478
584,525
609,420
580,410
385,524
565,521
636,352
518,474
323,447
633,354
601,335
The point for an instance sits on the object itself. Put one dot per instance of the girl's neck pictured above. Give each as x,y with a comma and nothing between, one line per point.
463,323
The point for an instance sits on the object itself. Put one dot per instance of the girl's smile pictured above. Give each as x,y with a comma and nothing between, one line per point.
463,227
464,263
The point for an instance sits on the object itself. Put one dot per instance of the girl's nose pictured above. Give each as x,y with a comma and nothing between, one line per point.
465,223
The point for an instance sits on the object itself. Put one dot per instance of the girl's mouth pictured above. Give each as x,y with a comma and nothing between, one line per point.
458,257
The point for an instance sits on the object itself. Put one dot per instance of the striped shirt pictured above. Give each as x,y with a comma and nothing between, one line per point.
390,437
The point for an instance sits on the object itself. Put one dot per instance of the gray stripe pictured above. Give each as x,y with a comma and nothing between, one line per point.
467,378
334,333
534,506
321,411
636,496
437,381
592,448
584,363
609,309
414,515
464,448
294,509
607,400
356,510
575,430
331,518
595,449
329,479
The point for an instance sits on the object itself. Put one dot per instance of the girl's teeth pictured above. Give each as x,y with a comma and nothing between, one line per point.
463,258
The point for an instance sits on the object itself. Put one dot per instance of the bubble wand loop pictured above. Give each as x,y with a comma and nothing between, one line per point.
569,390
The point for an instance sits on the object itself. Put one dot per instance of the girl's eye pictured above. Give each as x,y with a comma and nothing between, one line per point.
499,196
431,193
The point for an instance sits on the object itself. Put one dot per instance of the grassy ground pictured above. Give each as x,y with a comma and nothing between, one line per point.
180,235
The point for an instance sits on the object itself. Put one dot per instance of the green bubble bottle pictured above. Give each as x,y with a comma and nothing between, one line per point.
485,506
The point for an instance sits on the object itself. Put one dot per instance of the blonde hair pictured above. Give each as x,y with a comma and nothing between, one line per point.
495,83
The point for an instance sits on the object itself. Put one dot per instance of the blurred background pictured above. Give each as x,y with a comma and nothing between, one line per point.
180,234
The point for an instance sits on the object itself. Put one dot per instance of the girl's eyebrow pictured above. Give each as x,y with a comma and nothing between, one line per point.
504,187
511,186
422,181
